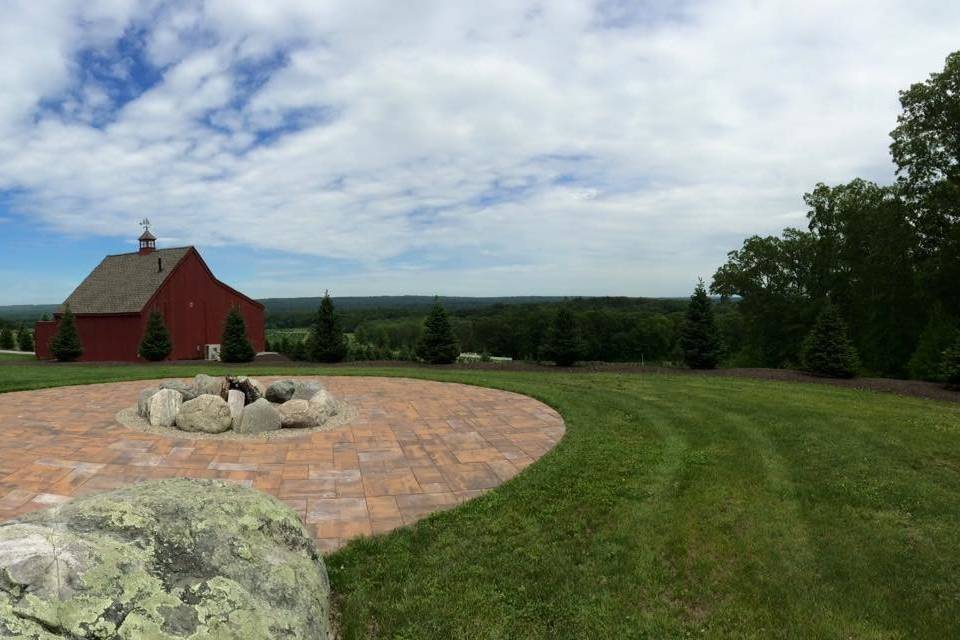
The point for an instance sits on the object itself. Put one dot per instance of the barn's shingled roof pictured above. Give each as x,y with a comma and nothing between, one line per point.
124,283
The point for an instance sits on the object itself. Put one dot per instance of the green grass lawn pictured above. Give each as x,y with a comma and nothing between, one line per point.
16,357
675,507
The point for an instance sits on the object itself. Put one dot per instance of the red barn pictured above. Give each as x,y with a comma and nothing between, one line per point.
113,303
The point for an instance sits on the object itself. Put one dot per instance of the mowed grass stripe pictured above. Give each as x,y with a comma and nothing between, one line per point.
675,507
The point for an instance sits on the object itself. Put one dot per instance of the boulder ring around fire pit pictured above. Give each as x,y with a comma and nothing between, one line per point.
236,407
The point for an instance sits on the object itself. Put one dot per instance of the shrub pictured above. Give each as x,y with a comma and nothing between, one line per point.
827,351
234,346
156,344
438,345
951,365
25,339
65,345
699,338
6,339
563,344
327,342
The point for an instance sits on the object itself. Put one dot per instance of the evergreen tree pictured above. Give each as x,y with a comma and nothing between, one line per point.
938,335
65,345
156,344
327,342
45,317
699,338
25,339
827,351
951,365
6,339
234,346
438,345
563,343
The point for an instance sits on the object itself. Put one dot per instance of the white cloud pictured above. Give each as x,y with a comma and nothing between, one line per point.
489,148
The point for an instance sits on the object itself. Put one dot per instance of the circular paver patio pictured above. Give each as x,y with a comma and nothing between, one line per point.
414,447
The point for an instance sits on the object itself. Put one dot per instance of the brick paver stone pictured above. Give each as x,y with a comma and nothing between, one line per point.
415,447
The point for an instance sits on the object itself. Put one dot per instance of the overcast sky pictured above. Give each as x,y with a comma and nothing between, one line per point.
463,148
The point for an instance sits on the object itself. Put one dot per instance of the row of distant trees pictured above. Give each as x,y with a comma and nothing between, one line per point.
20,340
156,344
884,260
437,342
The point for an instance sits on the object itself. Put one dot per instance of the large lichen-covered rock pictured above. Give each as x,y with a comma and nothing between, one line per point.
164,407
171,560
258,417
206,414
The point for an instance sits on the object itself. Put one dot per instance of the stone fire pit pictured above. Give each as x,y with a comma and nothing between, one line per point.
238,406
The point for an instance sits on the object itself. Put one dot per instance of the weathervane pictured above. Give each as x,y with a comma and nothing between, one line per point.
145,223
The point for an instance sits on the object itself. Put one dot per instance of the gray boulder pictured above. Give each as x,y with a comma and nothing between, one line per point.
186,390
207,385
323,406
258,417
296,414
206,413
235,401
168,560
143,404
306,390
164,406
281,391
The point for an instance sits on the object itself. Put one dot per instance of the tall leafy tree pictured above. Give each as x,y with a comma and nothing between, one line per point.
564,344
926,150
828,351
699,338
234,345
6,338
438,344
156,344
327,342
25,339
65,345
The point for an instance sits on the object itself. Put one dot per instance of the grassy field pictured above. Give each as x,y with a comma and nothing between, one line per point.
675,507
16,357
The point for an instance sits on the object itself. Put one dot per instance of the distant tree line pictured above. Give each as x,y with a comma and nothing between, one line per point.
881,261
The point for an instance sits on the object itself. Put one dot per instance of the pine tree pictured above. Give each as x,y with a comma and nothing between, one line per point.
563,342
65,345
951,365
6,339
156,344
827,351
699,338
45,317
438,345
25,340
234,346
937,336
327,342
